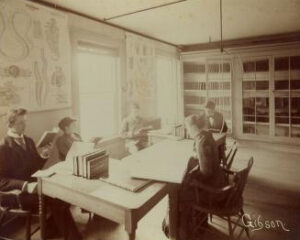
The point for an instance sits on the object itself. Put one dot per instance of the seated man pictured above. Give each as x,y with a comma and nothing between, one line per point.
64,142
134,131
19,159
214,120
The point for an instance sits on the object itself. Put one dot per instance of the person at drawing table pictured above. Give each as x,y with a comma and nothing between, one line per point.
214,120
19,159
133,130
203,166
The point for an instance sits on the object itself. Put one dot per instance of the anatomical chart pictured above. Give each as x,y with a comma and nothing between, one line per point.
141,79
34,57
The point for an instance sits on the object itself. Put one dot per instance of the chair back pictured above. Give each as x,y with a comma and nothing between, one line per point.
230,156
239,180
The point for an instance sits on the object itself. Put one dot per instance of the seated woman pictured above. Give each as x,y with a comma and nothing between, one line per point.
204,167
207,161
64,142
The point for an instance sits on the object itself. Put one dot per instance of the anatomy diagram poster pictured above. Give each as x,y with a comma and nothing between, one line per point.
34,57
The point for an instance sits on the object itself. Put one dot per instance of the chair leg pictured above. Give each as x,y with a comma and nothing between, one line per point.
246,222
2,216
90,217
210,218
230,228
28,227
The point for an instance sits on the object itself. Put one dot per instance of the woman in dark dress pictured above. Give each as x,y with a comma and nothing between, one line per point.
204,166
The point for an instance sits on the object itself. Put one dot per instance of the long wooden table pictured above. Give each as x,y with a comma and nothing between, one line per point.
103,199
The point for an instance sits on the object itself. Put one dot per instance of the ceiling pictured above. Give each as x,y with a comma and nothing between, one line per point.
195,21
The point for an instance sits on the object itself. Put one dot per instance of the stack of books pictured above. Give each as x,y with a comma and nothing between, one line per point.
91,165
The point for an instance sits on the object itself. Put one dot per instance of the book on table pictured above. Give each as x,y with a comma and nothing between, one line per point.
91,164
119,176
130,184
97,167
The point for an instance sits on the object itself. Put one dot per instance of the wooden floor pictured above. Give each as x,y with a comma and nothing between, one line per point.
272,193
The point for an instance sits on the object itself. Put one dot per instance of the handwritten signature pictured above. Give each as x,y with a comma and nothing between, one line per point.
256,223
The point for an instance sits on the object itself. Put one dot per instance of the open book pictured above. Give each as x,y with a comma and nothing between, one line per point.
46,138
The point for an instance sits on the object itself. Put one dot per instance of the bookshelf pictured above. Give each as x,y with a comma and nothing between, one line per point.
255,89
208,79
287,96
271,96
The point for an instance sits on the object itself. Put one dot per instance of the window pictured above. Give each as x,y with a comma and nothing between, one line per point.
97,76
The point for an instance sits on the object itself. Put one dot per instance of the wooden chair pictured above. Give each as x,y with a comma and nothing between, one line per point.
231,206
16,212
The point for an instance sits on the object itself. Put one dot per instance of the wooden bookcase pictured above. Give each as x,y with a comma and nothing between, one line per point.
208,79
271,96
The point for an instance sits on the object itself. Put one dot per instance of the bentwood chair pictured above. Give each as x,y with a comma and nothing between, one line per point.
9,214
228,160
229,209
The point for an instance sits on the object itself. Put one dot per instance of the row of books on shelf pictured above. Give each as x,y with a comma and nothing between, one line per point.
208,86
91,165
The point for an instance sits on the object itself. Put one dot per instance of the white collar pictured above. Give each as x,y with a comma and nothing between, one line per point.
13,134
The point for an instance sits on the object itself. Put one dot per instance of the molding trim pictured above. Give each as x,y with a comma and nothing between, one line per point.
244,42
67,10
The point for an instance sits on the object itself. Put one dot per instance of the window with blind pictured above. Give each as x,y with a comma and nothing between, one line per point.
167,90
97,69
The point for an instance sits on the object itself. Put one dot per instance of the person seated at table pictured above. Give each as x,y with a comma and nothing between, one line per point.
64,142
19,159
133,130
214,120
204,166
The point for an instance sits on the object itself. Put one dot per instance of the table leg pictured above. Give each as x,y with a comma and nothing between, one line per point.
173,211
42,210
131,236
130,225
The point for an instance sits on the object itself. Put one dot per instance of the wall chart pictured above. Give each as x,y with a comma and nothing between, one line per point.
141,76
34,57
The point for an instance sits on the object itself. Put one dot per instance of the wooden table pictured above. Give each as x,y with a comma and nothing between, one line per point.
120,205
155,136
103,199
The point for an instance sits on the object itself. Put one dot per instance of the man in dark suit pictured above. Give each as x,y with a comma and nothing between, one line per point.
19,159
214,120
133,130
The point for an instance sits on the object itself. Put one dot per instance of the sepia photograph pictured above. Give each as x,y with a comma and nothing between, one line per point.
149,119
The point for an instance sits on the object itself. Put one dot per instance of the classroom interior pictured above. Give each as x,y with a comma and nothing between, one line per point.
95,56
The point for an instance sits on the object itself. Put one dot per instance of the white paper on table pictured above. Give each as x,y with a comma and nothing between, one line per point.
62,168
165,161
